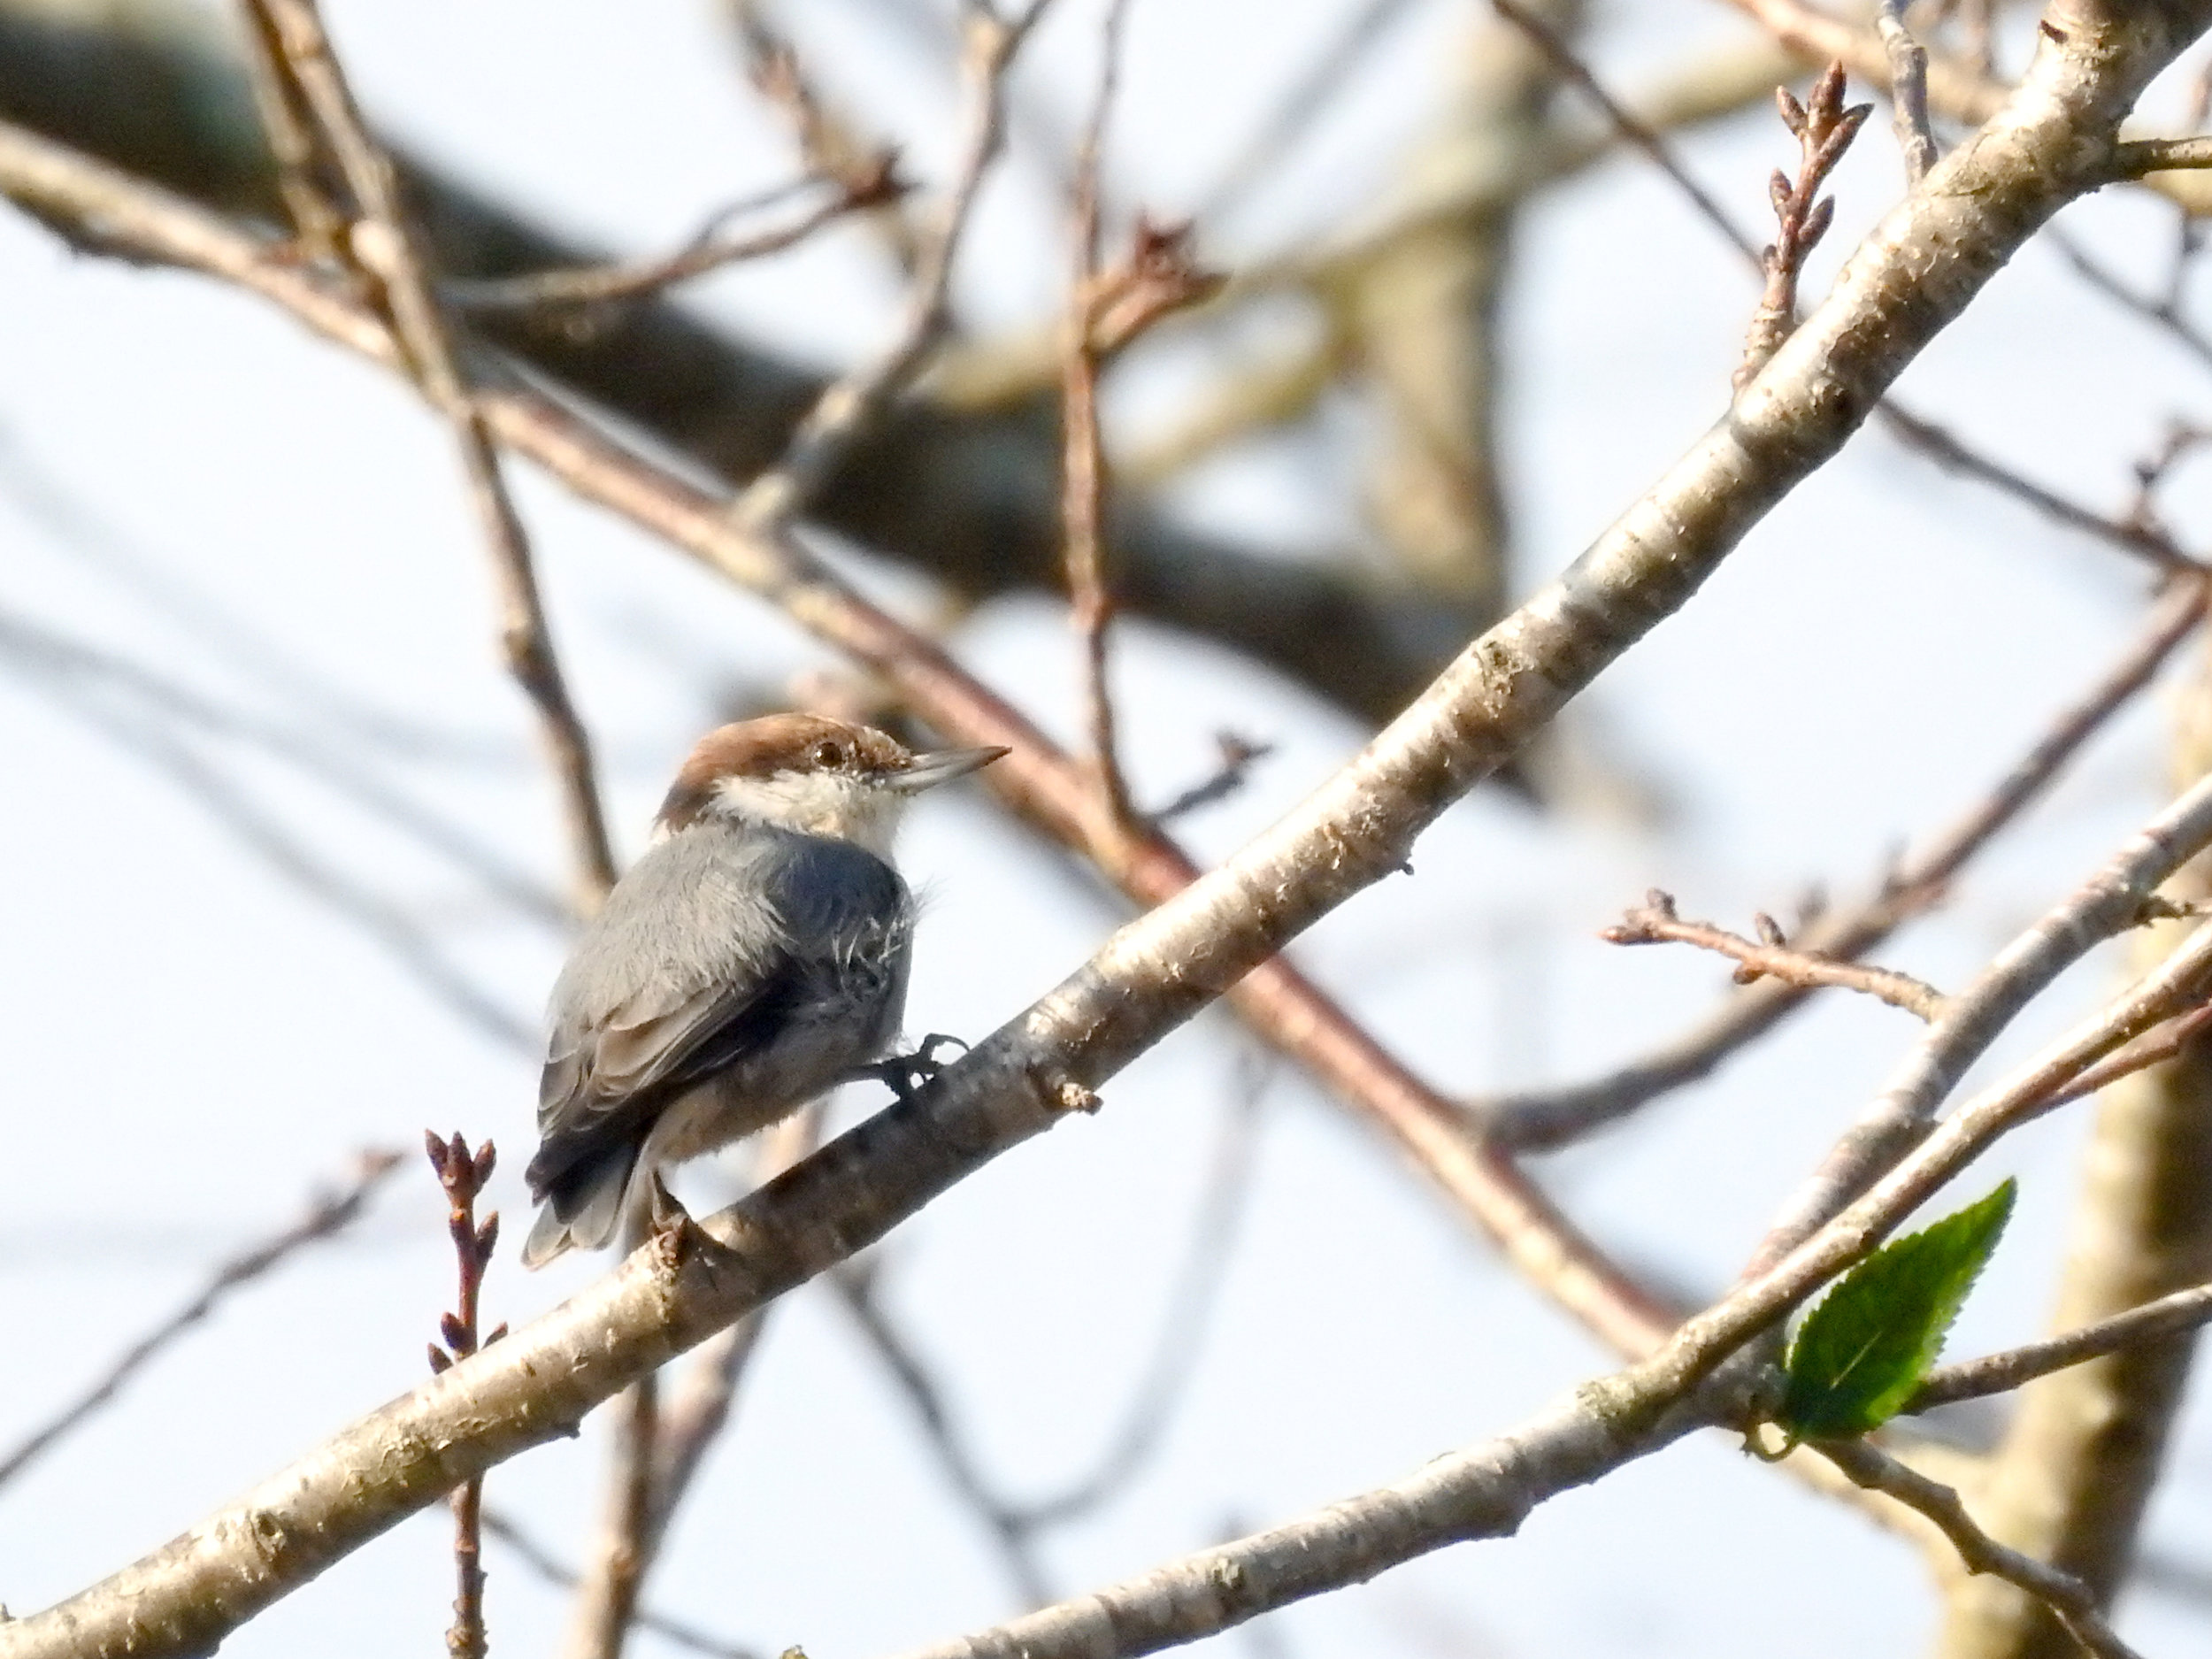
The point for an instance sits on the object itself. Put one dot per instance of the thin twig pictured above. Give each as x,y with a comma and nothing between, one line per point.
302,164
1636,131
1161,967
847,408
143,731
1823,129
708,251
1083,463
463,1174
1017,1549
2067,1597
1909,90
2109,902
497,1523
1177,1347
1297,109
326,1216
1770,956
386,246
2162,311
2129,535
2151,1049
828,144
1558,1117
1239,755
2002,1373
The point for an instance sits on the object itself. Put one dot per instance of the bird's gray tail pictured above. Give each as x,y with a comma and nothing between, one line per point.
583,1204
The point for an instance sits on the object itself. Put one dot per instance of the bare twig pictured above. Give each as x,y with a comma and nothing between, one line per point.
2002,1373
1239,755
2163,310
554,1570
2110,902
1771,957
326,1216
1083,462
1823,129
1177,1347
708,251
2069,1599
1635,130
843,412
2151,1049
1163,965
1556,1116
386,246
962,1473
302,162
463,1174
828,144
143,731
1909,90
1643,1407
2130,536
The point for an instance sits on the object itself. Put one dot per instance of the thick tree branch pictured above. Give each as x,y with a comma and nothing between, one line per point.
1915,273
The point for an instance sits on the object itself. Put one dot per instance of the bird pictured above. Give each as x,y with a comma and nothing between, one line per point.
753,959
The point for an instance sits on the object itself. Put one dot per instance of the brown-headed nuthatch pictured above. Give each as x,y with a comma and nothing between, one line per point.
754,958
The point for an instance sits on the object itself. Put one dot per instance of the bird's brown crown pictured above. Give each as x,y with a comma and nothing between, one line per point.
774,744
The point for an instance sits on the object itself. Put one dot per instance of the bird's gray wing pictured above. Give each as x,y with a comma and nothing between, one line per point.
643,1012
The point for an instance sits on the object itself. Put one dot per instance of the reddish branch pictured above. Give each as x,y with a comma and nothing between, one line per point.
463,1174
1770,955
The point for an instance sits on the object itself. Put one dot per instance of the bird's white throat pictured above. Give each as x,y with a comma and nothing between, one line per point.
816,802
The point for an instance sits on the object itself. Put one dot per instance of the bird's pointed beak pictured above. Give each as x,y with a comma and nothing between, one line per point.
941,765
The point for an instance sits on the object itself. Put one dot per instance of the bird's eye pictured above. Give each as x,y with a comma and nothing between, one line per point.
829,755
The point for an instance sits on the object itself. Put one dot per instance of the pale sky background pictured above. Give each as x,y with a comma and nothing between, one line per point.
192,487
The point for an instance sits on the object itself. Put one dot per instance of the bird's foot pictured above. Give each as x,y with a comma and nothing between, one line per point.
907,1074
670,1229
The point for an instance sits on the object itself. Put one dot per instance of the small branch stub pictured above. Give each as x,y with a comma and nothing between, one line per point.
1772,955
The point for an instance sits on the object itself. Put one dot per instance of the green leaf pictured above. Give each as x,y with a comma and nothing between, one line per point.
1862,1352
